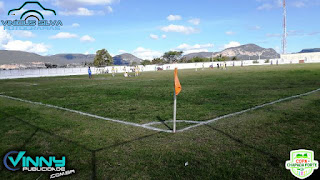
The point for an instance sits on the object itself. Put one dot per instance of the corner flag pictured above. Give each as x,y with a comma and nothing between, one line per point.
177,89
177,85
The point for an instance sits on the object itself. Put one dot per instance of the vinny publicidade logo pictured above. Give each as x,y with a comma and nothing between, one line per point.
18,160
302,163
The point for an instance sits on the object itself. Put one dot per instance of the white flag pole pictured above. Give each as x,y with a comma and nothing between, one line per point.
174,111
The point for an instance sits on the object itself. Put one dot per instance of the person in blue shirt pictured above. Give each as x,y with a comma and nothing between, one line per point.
89,72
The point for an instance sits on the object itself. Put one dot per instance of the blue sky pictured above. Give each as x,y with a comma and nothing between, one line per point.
147,28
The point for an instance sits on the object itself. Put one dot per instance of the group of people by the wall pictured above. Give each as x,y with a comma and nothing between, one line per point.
136,69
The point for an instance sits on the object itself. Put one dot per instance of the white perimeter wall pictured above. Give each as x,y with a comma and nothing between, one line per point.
27,73
302,56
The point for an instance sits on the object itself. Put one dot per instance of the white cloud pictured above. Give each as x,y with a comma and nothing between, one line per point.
79,12
5,37
18,13
153,36
174,17
146,53
87,38
75,25
1,7
109,9
156,37
187,49
93,2
195,21
293,33
179,29
269,4
8,43
46,13
278,3
230,33
70,4
299,4
26,34
277,48
64,35
28,46
121,51
232,44
255,28
313,33
273,35
265,6
80,7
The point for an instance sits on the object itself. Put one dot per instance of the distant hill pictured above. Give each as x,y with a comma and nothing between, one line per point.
250,50
199,54
63,59
126,59
21,57
243,52
310,50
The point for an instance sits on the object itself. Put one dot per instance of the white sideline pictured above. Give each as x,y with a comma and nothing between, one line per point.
148,125
250,109
186,121
86,114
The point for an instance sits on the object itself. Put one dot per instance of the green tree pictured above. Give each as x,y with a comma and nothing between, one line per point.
184,60
103,58
146,62
157,61
199,59
172,56
234,58
220,58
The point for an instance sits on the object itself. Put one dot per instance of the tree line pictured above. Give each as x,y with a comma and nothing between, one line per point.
103,58
176,57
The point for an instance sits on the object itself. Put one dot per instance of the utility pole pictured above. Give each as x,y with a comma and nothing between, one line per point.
212,58
284,38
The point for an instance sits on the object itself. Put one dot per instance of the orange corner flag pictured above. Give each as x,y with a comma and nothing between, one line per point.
177,85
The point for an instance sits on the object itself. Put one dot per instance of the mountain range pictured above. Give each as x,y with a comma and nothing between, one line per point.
126,59
310,50
26,58
243,52
21,57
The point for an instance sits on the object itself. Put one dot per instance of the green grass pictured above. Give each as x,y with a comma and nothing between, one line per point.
206,94
254,145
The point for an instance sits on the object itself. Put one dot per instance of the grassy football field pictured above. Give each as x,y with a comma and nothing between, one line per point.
252,145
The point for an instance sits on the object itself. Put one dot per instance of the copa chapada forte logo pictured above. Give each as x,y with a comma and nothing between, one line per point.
302,163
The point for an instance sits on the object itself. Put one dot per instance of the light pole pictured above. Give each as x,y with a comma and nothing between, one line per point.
261,54
212,57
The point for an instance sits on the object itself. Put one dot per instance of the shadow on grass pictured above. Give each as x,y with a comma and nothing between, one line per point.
93,151
275,161
164,122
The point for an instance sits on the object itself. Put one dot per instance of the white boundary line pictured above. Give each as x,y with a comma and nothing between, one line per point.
149,125
186,121
86,114
250,109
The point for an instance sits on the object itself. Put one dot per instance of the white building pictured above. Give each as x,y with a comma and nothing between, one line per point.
306,57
